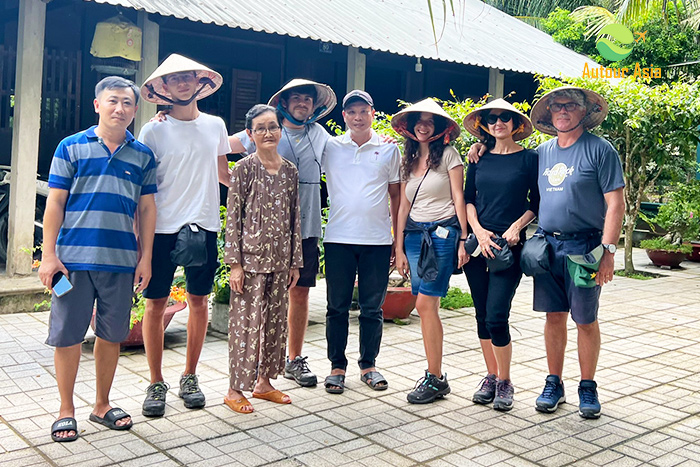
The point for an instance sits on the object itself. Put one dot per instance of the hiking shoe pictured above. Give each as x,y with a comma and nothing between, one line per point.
299,371
487,392
190,392
429,388
504,395
552,395
154,405
588,405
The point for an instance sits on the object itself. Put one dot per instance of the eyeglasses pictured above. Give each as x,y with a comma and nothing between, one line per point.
262,131
505,117
180,78
569,106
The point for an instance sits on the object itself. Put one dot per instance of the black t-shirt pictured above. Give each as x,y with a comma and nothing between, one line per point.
502,187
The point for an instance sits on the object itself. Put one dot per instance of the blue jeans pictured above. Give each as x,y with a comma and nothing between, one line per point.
445,253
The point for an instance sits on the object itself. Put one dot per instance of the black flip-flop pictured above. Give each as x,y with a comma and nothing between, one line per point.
64,424
110,419
335,380
374,379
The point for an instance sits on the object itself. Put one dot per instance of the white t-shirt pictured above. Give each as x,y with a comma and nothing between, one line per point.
358,181
304,148
187,175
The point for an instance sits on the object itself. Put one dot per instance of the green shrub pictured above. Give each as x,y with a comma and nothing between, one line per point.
456,299
662,244
680,217
222,289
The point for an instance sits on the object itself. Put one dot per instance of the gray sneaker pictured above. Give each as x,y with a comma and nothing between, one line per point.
487,392
504,395
190,392
299,371
154,405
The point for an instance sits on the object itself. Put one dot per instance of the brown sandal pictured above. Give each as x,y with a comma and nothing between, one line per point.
275,396
238,404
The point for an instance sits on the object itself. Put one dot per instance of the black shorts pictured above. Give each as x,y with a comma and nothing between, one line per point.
200,279
307,274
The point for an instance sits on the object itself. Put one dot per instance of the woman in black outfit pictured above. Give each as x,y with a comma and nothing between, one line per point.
502,199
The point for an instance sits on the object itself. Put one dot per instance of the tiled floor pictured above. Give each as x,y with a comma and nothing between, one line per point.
649,374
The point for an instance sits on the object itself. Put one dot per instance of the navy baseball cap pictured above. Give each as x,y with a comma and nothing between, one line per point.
357,95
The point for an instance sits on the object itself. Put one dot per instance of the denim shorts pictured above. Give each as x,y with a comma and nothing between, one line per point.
445,253
555,290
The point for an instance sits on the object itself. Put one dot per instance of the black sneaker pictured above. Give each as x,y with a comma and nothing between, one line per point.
299,371
487,391
429,388
190,392
504,395
154,405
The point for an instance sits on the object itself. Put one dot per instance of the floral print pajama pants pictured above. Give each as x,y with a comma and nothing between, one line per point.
258,329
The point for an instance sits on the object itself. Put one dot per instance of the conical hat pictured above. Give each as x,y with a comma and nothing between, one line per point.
597,110
152,90
472,122
400,120
324,95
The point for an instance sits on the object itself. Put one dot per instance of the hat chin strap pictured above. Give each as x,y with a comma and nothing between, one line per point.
205,81
314,116
444,134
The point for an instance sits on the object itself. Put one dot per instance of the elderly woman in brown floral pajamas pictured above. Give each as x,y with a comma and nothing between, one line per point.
263,246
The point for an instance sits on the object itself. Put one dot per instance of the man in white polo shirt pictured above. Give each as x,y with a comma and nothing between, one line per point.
361,171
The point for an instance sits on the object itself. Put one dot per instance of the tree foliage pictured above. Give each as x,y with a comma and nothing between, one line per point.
667,42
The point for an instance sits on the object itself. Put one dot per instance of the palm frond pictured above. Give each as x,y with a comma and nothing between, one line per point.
631,10
692,9
595,18
693,20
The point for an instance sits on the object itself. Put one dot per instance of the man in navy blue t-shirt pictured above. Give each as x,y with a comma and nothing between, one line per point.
581,206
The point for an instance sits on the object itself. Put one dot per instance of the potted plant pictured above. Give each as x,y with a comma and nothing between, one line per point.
176,302
663,253
679,218
399,301
222,289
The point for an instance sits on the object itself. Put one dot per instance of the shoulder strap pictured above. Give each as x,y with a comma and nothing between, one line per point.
416,194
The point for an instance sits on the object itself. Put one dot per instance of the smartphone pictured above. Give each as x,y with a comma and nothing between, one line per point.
60,284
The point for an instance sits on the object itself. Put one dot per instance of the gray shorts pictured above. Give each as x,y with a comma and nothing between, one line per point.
71,314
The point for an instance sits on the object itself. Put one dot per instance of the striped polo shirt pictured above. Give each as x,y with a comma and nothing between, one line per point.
104,190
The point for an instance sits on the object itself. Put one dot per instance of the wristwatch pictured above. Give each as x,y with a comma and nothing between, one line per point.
612,248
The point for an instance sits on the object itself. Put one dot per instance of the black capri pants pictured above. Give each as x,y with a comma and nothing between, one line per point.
493,294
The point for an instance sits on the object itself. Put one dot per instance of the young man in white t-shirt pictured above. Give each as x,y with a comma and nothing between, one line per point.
362,174
190,149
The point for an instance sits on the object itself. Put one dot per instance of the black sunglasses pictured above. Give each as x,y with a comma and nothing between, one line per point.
505,117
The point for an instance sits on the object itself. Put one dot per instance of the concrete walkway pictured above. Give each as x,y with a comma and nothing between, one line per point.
649,375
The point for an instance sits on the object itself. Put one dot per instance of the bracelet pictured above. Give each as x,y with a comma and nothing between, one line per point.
462,239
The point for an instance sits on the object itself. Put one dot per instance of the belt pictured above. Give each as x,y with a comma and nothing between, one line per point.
574,236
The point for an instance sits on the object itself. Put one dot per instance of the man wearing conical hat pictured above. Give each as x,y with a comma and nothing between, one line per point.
190,148
301,102
581,207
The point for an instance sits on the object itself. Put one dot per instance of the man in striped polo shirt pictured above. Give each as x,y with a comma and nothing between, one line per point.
99,180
